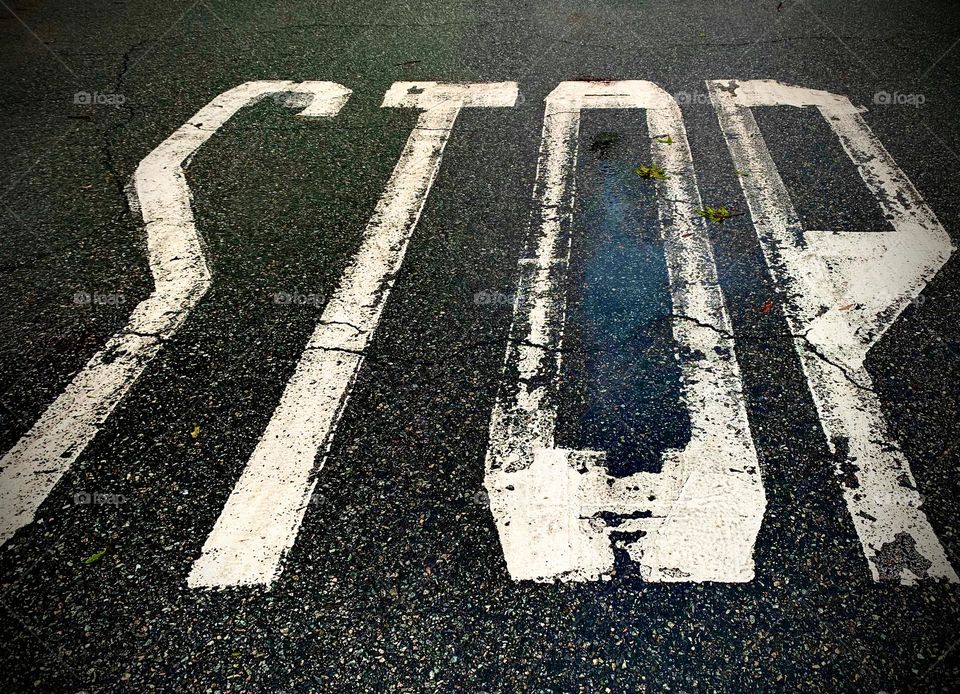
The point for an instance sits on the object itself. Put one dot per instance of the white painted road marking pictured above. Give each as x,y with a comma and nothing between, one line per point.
39,459
263,514
821,273
701,515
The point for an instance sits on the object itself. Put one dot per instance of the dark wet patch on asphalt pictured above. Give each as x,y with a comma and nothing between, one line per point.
621,378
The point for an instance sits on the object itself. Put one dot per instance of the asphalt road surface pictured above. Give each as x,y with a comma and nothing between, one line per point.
298,401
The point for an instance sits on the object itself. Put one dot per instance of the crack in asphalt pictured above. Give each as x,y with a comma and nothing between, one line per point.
109,158
720,331
811,347
341,322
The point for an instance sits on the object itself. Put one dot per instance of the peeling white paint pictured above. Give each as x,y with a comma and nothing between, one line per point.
263,514
701,515
841,291
159,189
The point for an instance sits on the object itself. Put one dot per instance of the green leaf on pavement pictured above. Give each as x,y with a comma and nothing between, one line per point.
715,214
94,557
653,171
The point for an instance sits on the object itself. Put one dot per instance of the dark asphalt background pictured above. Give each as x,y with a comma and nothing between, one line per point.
397,580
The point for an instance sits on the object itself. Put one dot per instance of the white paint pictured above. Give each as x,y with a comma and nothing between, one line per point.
820,274
39,459
263,514
706,507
